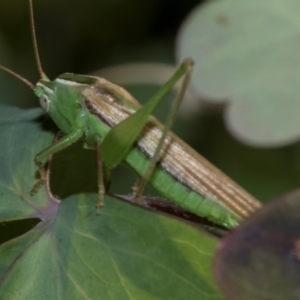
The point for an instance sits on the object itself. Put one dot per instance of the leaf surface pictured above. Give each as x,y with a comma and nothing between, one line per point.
124,253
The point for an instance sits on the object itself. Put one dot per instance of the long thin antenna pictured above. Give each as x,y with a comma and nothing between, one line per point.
31,85
35,45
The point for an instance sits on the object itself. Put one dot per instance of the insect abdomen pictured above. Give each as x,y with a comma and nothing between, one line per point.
178,193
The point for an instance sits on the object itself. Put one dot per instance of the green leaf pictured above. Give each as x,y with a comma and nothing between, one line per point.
20,139
247,56
124,253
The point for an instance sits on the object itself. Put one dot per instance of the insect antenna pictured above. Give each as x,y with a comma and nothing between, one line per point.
36,54
35,45
31,85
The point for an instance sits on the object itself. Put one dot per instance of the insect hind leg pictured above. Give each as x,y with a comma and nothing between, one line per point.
141,181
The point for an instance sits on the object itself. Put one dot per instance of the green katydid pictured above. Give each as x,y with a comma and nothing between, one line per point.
110,120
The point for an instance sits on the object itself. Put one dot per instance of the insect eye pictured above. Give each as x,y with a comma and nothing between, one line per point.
45,103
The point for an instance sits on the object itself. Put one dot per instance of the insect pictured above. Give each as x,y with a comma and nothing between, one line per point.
111,121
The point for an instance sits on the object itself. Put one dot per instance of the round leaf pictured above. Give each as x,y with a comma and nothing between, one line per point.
247,57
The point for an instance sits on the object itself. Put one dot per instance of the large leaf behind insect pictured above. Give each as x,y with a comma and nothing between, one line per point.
73,253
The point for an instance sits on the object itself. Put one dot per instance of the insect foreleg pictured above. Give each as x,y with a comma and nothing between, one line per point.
61,144
100,176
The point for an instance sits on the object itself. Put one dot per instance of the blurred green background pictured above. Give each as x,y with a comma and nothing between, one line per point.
83,37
